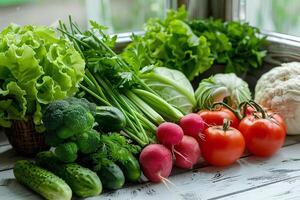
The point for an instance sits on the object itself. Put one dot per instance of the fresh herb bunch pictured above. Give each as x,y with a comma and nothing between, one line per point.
109,81
170,43
235,44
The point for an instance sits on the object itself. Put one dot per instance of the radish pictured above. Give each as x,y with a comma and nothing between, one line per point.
169,134
192,124
156,162
187,152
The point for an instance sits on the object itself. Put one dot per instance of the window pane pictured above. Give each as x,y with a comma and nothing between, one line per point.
118,15
41,12
274,15
125,15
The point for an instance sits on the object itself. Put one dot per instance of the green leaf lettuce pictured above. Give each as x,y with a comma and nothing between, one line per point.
36,68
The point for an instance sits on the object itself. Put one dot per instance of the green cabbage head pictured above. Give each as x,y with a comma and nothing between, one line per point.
36,68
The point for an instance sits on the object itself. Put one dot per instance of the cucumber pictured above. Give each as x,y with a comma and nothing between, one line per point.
111,176
83,181
43,182
131,168
109,119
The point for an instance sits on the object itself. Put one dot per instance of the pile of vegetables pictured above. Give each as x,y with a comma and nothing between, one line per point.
146,97
86,159
192,46
135,113
36,68
210,134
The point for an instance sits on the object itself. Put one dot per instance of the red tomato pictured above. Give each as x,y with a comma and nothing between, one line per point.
216,117
221,148
263,137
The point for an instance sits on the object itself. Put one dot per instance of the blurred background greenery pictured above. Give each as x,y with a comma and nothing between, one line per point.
280,16
129,15
118,15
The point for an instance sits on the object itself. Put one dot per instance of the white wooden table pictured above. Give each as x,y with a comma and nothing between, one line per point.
250,178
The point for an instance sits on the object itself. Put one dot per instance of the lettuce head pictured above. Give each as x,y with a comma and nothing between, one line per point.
36,68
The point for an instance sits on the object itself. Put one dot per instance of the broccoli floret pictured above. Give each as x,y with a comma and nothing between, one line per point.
53,114
66,152
76,120
67,118
83,102
89,141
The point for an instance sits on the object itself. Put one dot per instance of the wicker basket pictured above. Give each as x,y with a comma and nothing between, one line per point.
24,139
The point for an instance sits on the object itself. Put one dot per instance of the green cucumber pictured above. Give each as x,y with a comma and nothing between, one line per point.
131,168
83,181
43,182
111,176
109,119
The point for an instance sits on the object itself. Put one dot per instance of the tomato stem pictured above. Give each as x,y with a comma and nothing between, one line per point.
235,112
258,108
226,124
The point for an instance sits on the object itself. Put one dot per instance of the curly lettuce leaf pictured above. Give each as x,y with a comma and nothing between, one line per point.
170,43
36,68
12,104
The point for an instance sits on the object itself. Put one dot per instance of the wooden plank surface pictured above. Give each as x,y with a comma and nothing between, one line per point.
238,180
284,189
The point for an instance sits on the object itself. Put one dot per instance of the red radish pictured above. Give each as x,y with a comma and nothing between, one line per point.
156,162
192,125
187,152
169,133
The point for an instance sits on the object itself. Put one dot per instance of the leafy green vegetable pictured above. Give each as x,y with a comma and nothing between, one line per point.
191,46
222,87
170,43
172,86
36,68
235,44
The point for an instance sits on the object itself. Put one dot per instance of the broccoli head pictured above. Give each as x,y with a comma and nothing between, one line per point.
88,142
53,114
76,120
91,107
66,152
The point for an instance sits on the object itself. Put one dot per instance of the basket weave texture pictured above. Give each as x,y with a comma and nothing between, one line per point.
24,139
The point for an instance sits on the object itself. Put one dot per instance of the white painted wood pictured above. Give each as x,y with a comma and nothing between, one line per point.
287,189
249,173
10,189
8,157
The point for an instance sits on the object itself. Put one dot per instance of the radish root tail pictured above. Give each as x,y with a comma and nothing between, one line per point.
184,157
